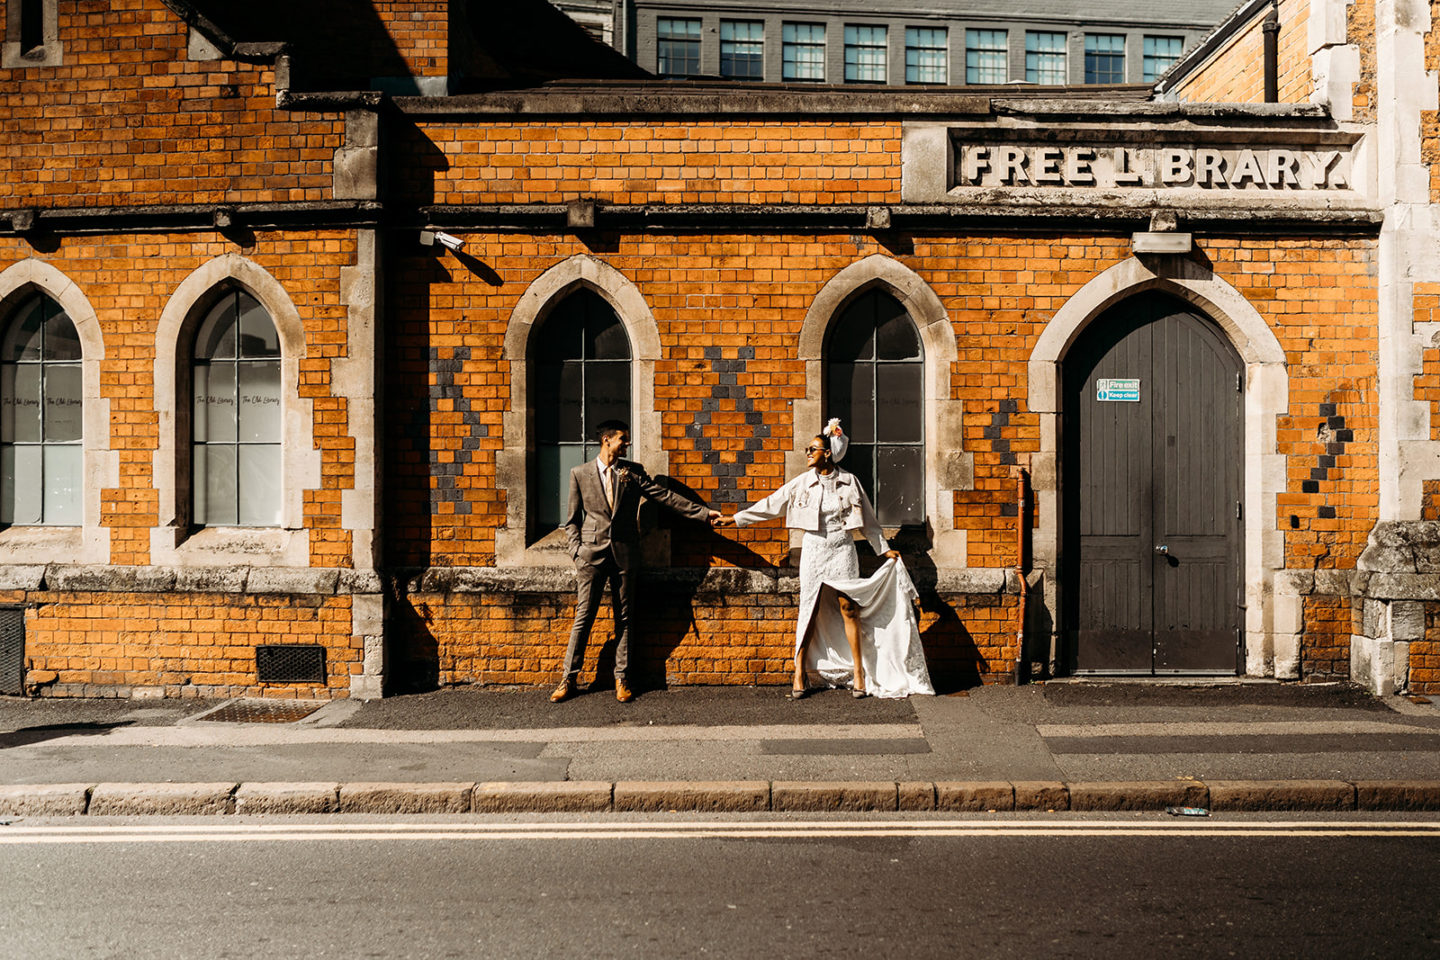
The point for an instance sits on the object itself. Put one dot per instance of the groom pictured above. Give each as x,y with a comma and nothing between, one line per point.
604,540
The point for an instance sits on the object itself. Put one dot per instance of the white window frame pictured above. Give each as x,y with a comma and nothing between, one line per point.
88,543
174,540
976,75
50,52
792,46
912,45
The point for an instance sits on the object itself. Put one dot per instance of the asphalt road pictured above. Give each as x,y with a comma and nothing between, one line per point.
1137,886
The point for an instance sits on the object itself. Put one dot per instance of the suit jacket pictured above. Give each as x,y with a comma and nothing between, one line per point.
591,526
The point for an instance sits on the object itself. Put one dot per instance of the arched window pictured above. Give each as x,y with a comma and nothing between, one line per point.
40,416
582,379
236,423
875,384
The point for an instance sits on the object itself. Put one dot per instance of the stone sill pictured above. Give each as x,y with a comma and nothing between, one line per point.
88,578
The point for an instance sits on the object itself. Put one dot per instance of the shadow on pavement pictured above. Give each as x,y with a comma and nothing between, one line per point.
28,735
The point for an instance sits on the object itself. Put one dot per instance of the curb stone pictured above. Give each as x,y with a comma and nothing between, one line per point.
123,799
833,795
1281,795
1138,795
733,796
282,797
563,796
405,797
45,800
736,796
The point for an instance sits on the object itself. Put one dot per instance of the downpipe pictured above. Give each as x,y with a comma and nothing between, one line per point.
1022,479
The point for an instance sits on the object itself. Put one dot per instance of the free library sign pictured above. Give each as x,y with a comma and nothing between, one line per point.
1110,167
1309,162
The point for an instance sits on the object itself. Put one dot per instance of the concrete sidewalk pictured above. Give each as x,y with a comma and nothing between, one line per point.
1074,745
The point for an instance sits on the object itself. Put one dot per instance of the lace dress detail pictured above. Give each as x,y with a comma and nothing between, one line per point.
830,556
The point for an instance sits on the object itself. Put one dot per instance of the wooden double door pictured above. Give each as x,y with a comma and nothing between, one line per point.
1152,474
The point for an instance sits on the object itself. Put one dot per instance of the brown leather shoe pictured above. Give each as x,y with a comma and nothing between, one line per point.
622,692
563,692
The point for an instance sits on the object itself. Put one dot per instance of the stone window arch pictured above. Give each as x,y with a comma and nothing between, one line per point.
947,467
178,538
79,536
514,543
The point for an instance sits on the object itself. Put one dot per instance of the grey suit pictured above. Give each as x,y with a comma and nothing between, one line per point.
605,545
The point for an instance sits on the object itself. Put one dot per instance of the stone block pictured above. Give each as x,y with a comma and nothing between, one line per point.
562,796
732,795
1041,795
976,795
833,795
21,576
303,797
1281,795
1137,795
211,579
292,580
130,799
1397,794
1373,618
915,795
1407,620
405,797
44,799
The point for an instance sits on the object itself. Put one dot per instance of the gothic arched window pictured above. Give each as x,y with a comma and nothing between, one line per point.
41,463
875,384
236,422
581,368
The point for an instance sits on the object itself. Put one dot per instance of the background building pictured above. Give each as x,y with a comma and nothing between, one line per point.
1045,42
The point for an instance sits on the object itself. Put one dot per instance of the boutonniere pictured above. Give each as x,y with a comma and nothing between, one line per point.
621,475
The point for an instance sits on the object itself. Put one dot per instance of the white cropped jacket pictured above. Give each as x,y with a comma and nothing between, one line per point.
799,503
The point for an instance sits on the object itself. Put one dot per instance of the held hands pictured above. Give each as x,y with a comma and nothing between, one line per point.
719,520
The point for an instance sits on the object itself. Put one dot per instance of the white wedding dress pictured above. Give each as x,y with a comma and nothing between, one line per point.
890,647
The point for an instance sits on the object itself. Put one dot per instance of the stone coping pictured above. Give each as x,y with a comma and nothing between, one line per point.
571,796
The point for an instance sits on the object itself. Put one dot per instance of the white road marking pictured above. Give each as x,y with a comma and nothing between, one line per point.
824,829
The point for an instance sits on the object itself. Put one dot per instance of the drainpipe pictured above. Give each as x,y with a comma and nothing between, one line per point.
1022,476
1271,29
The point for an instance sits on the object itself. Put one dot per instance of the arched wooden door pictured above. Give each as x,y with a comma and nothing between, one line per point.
1152,478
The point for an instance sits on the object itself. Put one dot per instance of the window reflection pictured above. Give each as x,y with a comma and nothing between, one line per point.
874,382
236,415
582,379
41,404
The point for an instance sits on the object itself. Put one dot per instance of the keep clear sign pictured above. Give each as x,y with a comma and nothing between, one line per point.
1118,391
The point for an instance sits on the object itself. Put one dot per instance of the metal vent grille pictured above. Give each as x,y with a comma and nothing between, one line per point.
290,663
12,651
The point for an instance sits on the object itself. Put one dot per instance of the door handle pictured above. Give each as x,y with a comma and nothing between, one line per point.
1163,550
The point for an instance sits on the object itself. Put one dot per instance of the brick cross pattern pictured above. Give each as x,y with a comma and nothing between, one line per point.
728,393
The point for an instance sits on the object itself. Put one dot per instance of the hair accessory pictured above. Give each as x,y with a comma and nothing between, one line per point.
839,443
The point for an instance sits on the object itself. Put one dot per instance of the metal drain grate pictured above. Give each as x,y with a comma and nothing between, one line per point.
290,663
12,651
263,711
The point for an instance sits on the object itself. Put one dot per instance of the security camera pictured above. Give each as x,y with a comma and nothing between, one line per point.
431,237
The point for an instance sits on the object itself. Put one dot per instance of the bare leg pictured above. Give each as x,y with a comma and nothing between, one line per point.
850,610
798,683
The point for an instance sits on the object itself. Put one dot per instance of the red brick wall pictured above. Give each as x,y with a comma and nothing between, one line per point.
1325,648
128,119
1237,73
190,644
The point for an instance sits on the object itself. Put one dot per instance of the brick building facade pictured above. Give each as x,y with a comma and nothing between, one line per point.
279,441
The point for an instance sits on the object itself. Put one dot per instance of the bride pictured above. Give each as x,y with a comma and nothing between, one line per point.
828,504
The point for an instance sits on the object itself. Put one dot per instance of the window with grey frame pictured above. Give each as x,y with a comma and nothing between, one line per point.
581,364
41,422
865,49
927,56
742,49
677,47
1160,53
236,415
1045,58
1104,58
875,384
987,56
802,51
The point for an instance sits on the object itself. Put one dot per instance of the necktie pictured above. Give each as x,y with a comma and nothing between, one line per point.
609,488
